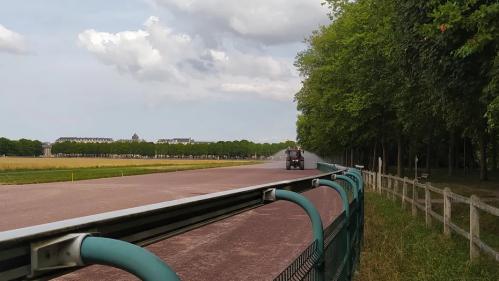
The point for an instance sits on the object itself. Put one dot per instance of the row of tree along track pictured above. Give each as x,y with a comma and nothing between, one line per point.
399,78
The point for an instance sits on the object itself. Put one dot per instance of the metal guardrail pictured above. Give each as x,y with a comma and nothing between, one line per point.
342,238
141,225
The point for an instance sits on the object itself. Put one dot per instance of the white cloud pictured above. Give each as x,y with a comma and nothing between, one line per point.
11,42
180,61
267,21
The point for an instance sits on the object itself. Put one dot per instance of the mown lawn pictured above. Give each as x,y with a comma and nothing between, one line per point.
73,170
400,247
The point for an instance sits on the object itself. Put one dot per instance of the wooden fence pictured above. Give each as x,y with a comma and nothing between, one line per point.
408,191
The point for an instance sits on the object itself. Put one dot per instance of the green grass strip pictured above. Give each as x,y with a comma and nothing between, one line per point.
51,175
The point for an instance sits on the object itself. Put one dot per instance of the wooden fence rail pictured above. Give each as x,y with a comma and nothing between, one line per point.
389,184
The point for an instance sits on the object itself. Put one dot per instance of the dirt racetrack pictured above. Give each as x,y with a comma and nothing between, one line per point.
255,245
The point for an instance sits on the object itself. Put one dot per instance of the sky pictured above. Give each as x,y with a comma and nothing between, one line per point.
206,69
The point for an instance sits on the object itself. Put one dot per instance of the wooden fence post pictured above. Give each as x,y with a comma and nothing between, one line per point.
395,188
414,198
427,204
388,185
404,192
380,163
447,211
474,227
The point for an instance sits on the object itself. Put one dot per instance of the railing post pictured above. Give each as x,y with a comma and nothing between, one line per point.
447,211
404,193
427,204
389,186
317,230
474,227
380,163
395,188
414,198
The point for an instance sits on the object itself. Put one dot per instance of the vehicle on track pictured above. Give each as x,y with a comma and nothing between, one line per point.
294,158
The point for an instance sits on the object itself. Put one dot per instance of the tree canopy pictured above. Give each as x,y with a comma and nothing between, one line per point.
224,149
22,147
400,78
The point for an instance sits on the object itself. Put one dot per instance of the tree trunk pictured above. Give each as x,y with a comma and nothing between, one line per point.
351,157
436,157
494,151
399,157
411,156
428,151
464,155
451,153
385,160
483,156
374,156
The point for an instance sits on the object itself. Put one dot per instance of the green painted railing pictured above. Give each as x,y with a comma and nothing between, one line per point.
340,253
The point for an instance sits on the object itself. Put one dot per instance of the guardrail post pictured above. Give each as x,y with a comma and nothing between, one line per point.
447,211
414,198
404,193
474,228
317,230
427,204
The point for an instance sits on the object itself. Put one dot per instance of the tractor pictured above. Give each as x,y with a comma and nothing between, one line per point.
294,158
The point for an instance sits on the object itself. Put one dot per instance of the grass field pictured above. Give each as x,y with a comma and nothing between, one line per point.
400,247
16,170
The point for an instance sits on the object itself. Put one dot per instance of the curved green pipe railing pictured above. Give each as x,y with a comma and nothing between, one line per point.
311,211
346,205
350,181
315,218
358,179
129,257
336,186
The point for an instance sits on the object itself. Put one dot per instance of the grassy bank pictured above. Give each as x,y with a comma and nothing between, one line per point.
400,247
38,170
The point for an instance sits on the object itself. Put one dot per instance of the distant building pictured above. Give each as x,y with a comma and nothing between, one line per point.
47,149
84,140
176,141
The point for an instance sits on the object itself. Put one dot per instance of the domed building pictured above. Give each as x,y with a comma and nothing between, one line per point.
135,138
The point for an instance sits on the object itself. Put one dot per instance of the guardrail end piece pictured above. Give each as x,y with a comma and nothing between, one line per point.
315,183
61,252
269,195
